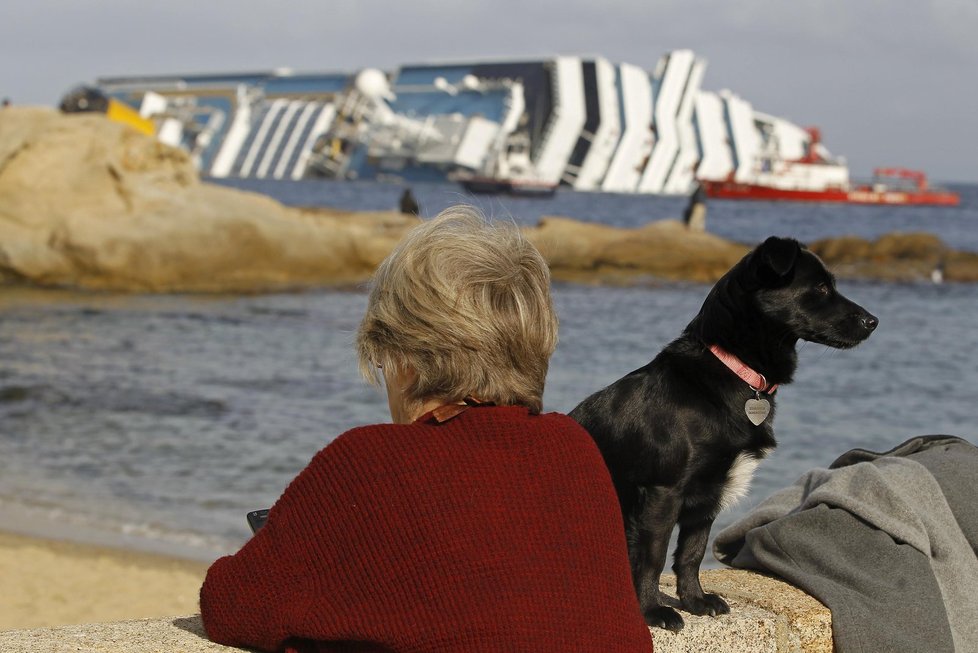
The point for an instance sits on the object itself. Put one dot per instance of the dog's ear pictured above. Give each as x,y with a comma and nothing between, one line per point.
774,260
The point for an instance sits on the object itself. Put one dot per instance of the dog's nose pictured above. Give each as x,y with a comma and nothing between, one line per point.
869,322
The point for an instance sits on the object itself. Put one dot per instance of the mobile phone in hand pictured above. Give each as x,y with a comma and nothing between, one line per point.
257,519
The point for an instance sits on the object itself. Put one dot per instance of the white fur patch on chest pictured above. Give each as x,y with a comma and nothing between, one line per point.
739,478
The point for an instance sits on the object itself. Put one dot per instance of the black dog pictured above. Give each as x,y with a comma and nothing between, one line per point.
682,435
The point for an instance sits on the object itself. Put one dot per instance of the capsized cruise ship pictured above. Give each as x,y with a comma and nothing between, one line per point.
584,123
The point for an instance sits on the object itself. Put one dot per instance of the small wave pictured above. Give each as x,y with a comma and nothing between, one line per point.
161,404
46,519
278,312
114,399
10,394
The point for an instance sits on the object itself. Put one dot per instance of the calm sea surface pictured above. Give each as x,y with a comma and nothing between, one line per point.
159,421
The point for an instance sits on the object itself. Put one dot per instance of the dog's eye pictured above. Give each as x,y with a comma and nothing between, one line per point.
823,289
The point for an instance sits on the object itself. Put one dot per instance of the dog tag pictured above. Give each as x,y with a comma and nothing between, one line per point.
757,410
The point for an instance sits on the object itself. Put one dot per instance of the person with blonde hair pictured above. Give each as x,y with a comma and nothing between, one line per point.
475,522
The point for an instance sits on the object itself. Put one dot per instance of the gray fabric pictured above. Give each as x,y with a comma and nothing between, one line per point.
955,466
878,543
909,447
888,601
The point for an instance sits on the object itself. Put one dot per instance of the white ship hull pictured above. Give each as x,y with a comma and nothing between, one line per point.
586,124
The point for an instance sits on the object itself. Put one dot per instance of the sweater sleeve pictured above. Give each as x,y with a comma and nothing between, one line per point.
260,597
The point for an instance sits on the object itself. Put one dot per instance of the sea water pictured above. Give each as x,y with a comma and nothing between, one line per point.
159,421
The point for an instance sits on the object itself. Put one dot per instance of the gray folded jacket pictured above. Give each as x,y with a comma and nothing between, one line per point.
887,541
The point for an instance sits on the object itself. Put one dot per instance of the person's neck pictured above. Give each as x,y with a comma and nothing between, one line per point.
423,408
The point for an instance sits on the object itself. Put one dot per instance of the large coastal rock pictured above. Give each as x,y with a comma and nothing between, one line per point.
86,202
595,253
89,203
896,257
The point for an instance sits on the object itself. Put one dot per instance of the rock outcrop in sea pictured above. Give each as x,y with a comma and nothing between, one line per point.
896,257
89,203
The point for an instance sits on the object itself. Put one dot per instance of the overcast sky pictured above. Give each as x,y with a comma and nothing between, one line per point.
890,82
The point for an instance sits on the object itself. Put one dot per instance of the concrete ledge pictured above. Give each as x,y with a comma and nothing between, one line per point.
164,635
767,616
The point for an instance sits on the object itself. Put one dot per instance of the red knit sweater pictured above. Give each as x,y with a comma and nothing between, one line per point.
495,531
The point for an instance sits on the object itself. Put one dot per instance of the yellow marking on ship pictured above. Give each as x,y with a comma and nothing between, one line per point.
122,112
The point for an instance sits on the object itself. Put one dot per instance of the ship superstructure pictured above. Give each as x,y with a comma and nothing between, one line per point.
584,123
241,125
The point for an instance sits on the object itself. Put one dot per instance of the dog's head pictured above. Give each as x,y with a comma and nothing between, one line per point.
781,292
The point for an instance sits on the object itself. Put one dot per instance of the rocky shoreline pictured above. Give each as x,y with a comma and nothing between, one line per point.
87,203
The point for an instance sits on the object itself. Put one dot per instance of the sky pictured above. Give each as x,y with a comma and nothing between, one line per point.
889,82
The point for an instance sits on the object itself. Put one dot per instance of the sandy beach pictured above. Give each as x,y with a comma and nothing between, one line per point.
52,583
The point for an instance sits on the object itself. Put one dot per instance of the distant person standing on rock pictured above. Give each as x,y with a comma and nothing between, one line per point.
409,205
695,214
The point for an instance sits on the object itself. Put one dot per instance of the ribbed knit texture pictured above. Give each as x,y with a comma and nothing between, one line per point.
494,531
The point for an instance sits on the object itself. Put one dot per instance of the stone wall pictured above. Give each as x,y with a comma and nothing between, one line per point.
767,616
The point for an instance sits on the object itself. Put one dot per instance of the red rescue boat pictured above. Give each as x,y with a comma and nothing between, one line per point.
816,177
882,190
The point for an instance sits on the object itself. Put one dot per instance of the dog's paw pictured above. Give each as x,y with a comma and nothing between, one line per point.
708,604
663,617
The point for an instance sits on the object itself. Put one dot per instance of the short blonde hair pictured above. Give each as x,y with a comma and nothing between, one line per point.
465,305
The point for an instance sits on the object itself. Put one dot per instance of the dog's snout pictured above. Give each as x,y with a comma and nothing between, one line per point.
869,322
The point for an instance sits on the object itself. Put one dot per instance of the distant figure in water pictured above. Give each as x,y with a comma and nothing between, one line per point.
6,102
695,214
409,205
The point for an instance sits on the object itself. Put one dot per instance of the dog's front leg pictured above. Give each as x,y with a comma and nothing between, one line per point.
690,549
648,556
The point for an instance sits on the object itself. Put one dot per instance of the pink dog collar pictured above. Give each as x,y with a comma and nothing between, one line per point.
756,380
